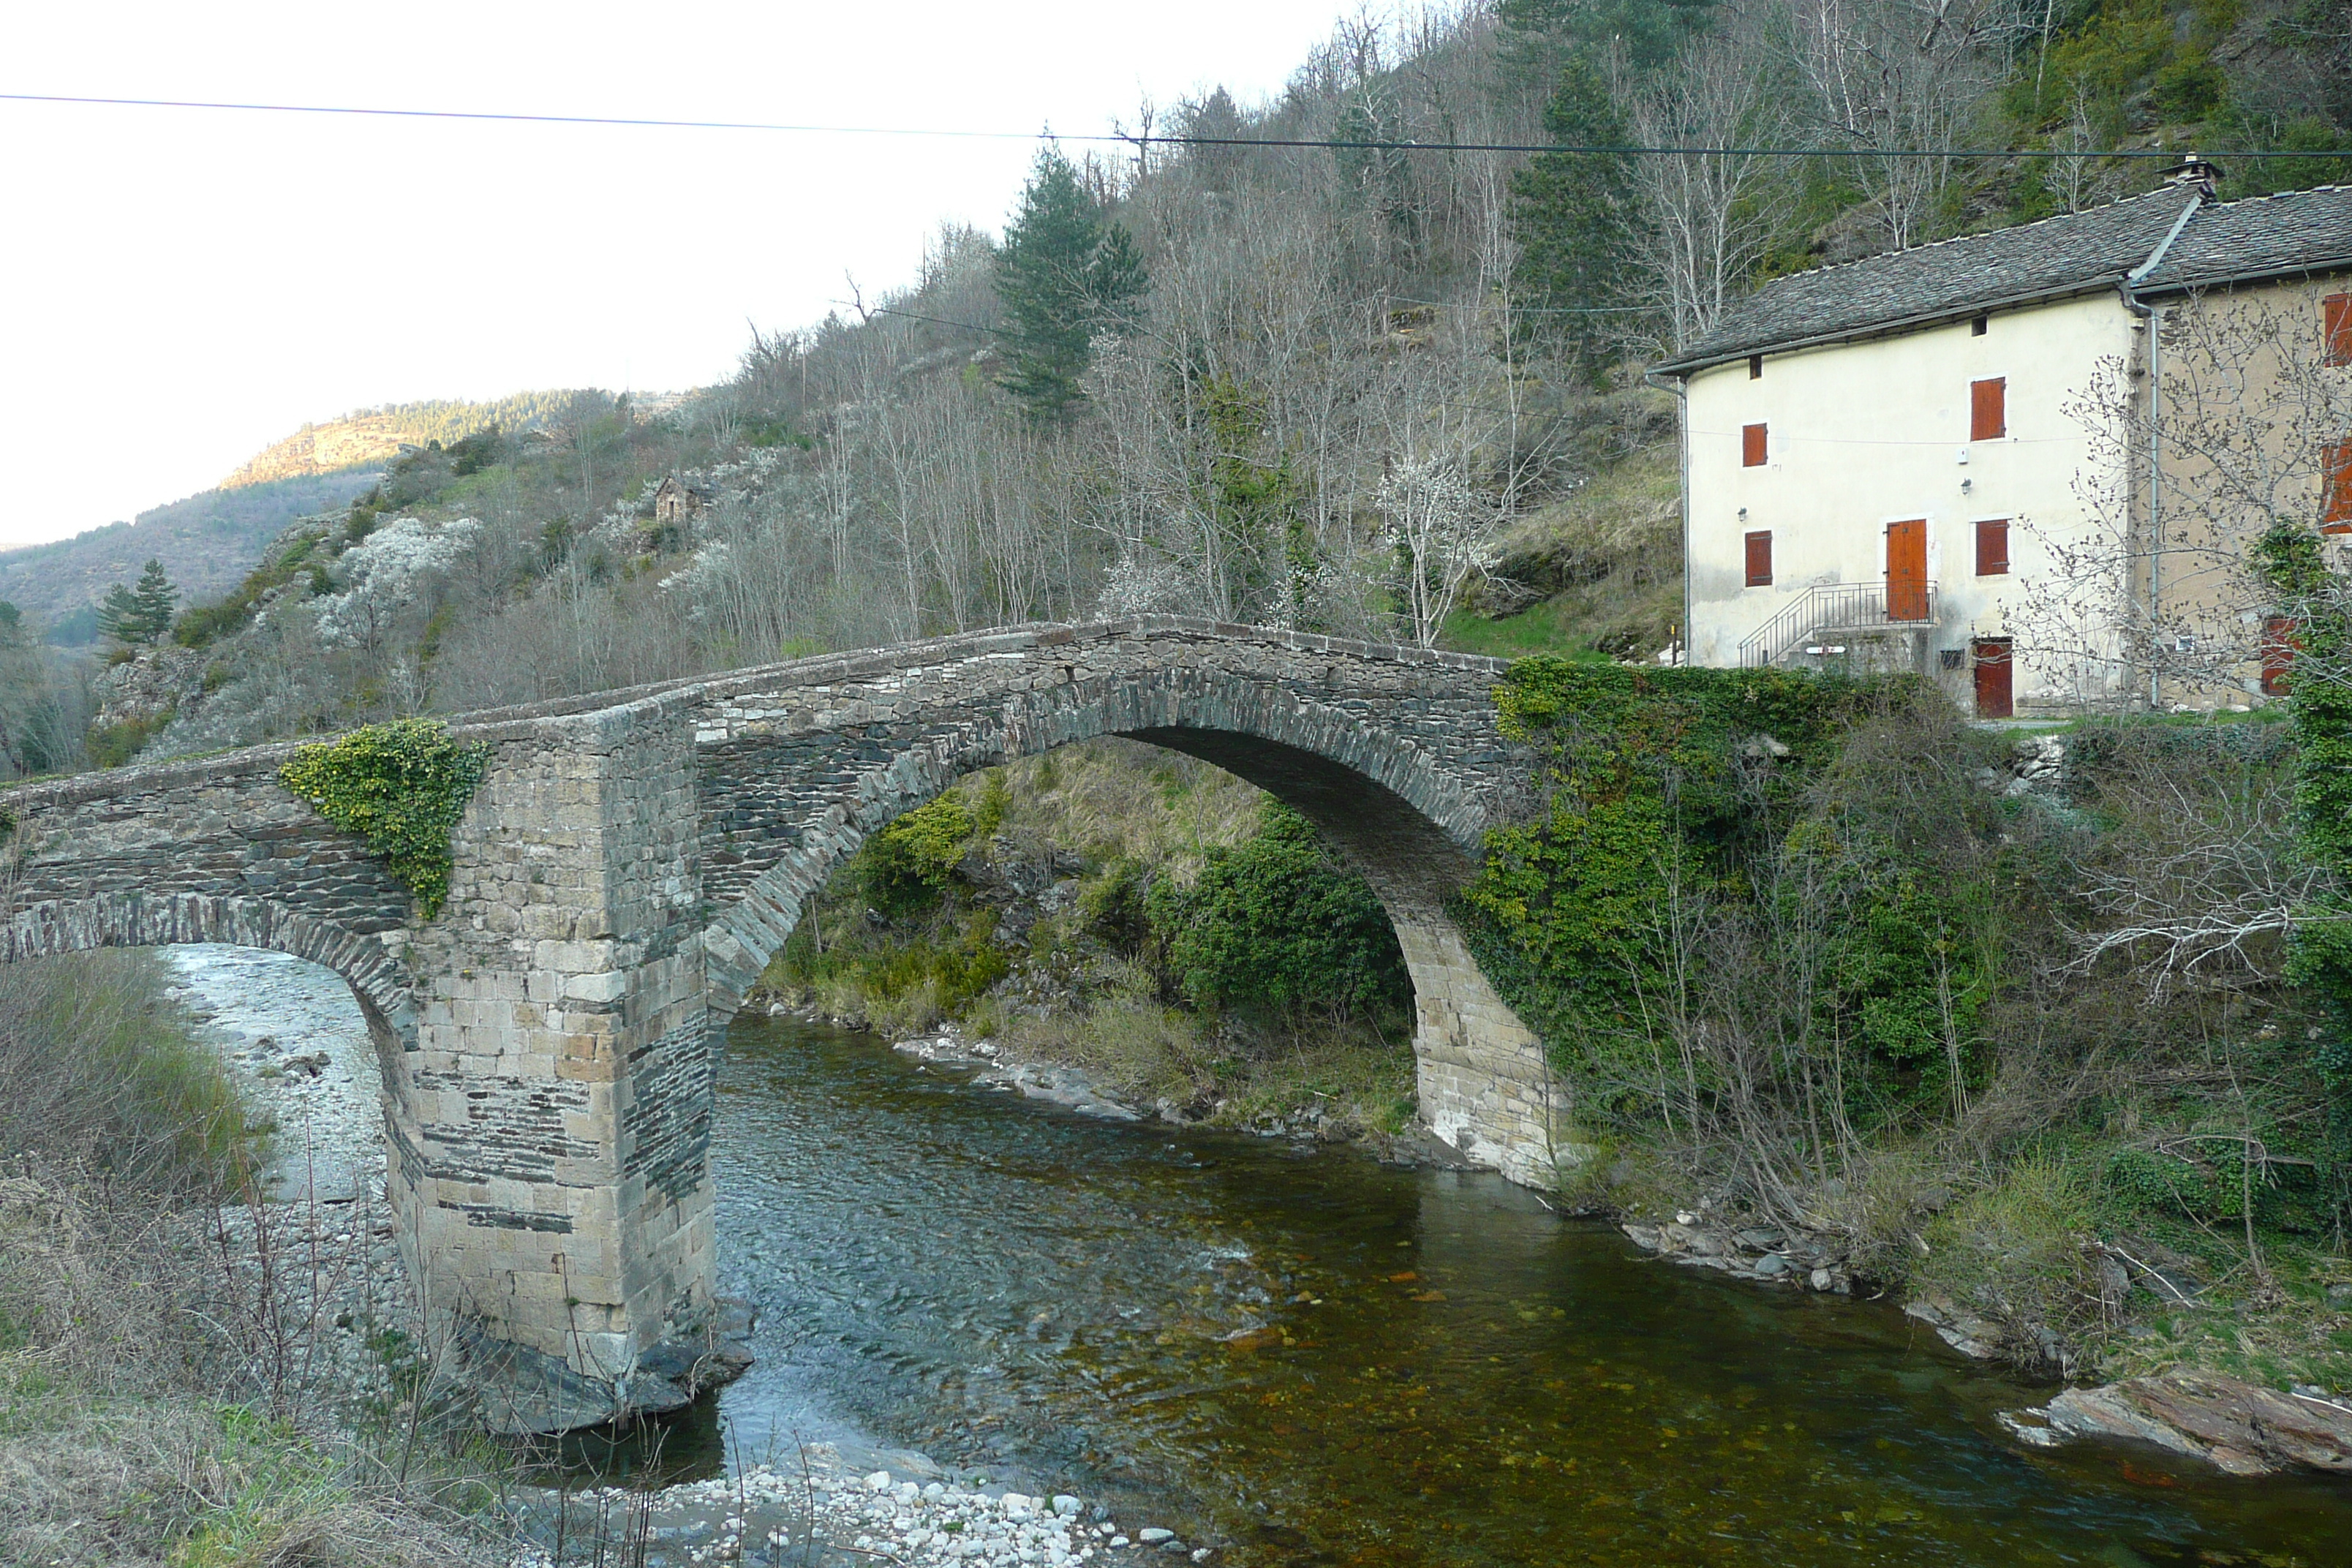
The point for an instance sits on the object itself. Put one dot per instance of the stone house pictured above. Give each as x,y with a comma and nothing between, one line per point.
1950,460
677,499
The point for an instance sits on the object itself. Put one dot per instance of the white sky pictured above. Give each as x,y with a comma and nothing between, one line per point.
180,288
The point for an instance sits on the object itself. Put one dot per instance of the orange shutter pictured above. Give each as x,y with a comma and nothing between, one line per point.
2336,486
1751,446
1759,559
1992,547
2335,314
1989,409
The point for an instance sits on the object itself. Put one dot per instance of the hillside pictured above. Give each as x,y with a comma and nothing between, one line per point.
207,542
370,437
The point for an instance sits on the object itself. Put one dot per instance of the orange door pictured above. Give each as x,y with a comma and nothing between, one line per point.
1906,571
1993,691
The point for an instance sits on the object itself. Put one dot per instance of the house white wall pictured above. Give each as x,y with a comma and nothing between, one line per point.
1864,434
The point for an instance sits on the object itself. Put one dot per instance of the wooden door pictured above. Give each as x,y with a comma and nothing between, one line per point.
1906,571
1994,700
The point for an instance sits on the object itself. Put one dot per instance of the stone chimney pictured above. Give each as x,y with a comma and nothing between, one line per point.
2194,170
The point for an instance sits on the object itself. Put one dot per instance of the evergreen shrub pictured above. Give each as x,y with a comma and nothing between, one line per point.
906,865
1278,923
1761,805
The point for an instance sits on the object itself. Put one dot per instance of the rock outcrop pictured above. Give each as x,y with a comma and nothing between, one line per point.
2243,1429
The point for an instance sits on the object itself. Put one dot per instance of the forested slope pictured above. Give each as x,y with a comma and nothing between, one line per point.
370,437
1382,392
207,542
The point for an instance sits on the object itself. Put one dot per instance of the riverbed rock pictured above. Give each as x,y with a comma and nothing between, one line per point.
2240,1429
1965,1331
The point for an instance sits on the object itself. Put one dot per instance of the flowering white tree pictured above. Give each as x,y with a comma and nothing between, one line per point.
1138,584
386,572
1441,532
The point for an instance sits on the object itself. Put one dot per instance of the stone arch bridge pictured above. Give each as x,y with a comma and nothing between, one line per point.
634,857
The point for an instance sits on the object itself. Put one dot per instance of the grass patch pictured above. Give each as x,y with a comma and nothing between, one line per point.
1556,627
98,1072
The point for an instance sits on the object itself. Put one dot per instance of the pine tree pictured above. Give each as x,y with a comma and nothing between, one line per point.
140,615
1064,275
1573,215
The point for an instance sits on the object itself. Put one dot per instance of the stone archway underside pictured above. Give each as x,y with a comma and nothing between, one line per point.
633,859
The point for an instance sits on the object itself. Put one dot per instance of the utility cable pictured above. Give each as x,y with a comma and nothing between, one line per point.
1359,144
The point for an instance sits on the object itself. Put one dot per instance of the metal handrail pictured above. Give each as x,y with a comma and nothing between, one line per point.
1824,606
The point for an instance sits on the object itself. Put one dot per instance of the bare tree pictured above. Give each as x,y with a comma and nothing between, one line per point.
1712,216
1904,76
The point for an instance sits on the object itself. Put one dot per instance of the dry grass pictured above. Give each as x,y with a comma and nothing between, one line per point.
1113,799
129,1431
1138,1049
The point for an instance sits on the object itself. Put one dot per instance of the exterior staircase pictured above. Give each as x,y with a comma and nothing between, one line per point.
1830,610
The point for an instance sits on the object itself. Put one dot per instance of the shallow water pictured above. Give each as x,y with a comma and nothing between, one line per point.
1467,1380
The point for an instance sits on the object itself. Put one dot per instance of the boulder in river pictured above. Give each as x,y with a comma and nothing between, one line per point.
2244,1430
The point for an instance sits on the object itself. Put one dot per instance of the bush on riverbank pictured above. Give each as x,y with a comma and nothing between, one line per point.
141,1418
2016,1037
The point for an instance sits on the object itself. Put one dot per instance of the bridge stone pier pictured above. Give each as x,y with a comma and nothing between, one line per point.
634,859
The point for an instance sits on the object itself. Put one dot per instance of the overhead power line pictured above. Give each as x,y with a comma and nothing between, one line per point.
1357,145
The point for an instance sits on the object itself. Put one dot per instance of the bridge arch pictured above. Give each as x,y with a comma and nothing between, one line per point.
55,927
1399,813
1386,804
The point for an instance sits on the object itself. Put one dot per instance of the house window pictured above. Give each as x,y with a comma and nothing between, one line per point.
2335,487
1992,547
2279,643
1989,409
1759,559
1755,367
1976,327
2336,316
1751,446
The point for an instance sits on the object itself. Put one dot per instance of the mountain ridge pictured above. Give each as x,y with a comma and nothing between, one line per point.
367,437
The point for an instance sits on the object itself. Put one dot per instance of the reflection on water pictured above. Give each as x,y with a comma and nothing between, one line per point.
1320,1361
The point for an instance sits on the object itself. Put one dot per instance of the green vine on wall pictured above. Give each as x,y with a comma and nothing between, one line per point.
402,786
2320,706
